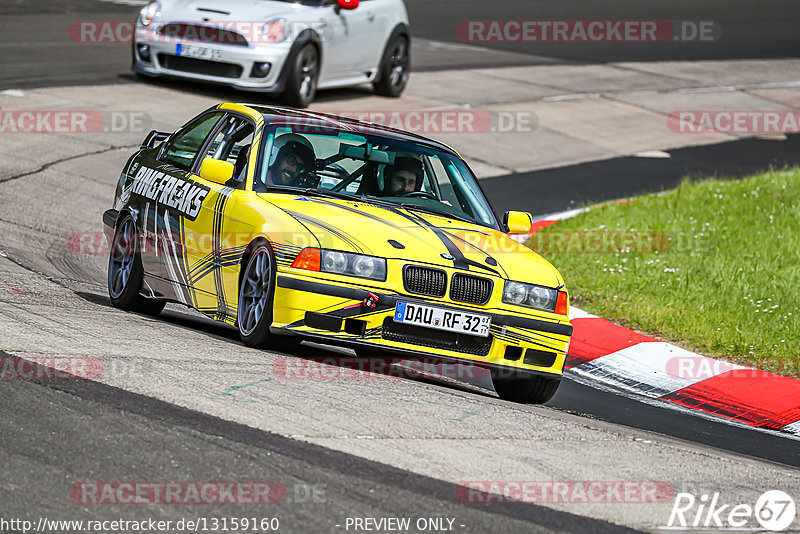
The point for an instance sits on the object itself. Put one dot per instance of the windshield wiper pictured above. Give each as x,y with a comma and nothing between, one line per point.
328,193
311,191
445,214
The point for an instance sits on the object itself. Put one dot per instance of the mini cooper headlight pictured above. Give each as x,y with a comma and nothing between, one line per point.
275,31
530,295
333,261
148,13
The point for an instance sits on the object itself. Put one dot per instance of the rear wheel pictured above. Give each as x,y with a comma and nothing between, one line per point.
125,272
393,75
523,387
301,86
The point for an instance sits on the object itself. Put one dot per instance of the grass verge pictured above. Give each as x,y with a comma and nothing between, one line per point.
713,266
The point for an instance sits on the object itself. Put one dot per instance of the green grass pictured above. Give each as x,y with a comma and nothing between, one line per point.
713,266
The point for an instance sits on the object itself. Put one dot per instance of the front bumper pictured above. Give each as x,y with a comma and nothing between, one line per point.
233,66
334,313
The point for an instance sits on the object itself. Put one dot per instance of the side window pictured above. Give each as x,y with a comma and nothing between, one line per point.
182,150
232,143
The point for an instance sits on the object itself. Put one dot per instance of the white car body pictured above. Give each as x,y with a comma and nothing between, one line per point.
351,43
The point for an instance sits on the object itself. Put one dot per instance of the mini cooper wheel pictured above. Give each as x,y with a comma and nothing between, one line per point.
301,86
393,75
125,272
256,293
523,387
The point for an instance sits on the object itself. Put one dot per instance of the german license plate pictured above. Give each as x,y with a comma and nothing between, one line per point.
460,321
199,52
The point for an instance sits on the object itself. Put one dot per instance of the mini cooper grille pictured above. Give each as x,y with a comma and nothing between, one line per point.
203,34
436,339
465,288
200,66
425,281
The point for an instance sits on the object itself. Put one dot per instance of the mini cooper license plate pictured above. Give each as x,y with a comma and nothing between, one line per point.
474,324
198,52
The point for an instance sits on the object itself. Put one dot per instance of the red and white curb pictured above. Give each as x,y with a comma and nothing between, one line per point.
617,357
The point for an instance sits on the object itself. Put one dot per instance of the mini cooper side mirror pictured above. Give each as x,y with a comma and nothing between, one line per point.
217,171
348,5
517,222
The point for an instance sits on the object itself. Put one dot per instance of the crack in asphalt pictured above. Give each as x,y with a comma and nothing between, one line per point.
62,160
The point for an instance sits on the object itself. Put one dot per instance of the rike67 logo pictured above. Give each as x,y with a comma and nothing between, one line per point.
774,510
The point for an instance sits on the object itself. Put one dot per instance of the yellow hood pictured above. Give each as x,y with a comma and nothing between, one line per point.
397,233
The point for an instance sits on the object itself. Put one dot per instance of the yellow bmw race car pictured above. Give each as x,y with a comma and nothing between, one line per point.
289,223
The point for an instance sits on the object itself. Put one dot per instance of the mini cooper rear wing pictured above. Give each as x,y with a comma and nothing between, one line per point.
154,138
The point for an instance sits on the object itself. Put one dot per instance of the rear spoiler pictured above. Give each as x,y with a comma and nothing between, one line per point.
154,138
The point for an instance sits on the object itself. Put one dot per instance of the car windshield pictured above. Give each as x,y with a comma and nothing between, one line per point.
372,168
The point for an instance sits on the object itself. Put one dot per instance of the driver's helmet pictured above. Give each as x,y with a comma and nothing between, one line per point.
291,143
403,163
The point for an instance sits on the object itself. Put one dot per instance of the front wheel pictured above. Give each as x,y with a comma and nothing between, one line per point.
125,272
301,86
393,74
256,293
523,387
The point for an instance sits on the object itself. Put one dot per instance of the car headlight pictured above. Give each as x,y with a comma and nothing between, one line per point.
275,31
346,263
533,296
148,13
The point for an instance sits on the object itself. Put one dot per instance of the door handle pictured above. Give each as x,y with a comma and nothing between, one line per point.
370,16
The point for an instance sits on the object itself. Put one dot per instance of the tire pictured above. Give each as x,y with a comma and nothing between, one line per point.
125,272
256,295
523,387
301,85
394,69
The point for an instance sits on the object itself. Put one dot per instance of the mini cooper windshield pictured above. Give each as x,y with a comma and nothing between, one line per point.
370,168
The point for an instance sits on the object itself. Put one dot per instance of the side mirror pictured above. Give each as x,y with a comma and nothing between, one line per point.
347,5
217,171
518,222
154,138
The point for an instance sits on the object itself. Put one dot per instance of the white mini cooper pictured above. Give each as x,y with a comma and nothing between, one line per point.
287,47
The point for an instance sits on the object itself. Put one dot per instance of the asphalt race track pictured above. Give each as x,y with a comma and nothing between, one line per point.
47,56
183,400
613,179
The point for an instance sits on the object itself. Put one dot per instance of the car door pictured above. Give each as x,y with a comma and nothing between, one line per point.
164,197
346,35
212,251
379,18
